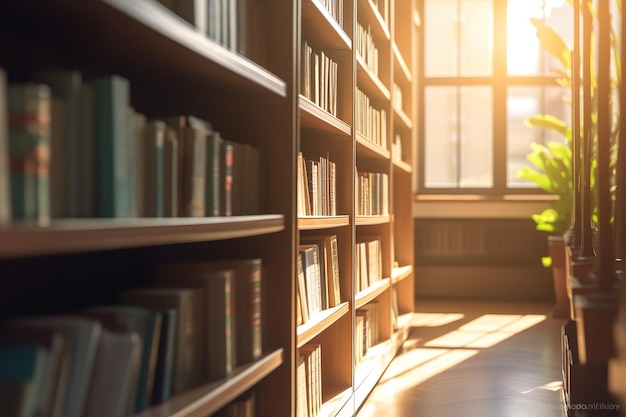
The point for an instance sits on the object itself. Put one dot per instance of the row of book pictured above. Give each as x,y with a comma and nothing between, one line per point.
368,262
199,323
309,381
366,48
224,21
318,275
370,122
317,186
74,147
372,193
335,8
366,330
396,94
319,79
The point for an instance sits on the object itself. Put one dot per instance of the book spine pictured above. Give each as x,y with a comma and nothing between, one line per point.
227,163
214,186
5,191
163,375
249,323
221,343
112,139
29,151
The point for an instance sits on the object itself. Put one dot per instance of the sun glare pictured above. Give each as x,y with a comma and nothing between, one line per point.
523,46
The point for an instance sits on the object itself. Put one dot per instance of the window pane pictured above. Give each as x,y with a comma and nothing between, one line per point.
476,38
476,150
523,103
469,22
459,137
440,38
525,55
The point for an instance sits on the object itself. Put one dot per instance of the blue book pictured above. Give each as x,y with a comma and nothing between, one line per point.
113,142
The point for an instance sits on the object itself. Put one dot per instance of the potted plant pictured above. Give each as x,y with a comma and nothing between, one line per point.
551,171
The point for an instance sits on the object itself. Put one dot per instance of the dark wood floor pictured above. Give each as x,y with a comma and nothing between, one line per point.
470,359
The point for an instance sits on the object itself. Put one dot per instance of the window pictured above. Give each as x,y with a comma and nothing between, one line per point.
483,73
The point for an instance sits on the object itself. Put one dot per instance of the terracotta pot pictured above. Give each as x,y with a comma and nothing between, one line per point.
556,250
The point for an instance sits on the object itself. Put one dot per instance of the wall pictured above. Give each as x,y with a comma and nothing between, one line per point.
480,248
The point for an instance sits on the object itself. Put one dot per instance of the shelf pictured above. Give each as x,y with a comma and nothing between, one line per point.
209,398
401,273
402,68
372,220
378,358
328,33
320,322
315,223
379,28
401,119
371,292
404,166
314,117
370,149
82,235
369,83
183,50
331,407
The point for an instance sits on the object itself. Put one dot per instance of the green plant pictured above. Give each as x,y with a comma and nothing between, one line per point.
552,173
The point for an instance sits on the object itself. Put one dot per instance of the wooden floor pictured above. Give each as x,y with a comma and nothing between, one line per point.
469,359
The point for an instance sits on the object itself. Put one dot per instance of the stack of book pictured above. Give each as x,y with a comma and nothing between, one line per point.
318,279
309,381
368,262
366,48
370,122
335,8
367,329
317,186
117,360
319,78
372,194
78,148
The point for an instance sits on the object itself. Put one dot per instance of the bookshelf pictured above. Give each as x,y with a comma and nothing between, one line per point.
331,80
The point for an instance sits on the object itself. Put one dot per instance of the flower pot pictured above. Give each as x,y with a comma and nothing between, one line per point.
556,250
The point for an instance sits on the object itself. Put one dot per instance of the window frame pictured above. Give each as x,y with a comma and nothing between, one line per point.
499,81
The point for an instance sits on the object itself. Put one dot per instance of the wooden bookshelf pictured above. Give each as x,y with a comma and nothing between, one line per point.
254,97
207,399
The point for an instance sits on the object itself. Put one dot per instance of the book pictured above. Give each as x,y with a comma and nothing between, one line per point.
112,100
191,132
22,372
190,326
138,163
170,173
301,288
82,336
5,191
323,264
217,288
329,263
214,180
228,172
247,306
250,180
29,151
115,368
154,174
164,369
311,267
59,200
87,182
147,324
52,392
65,85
